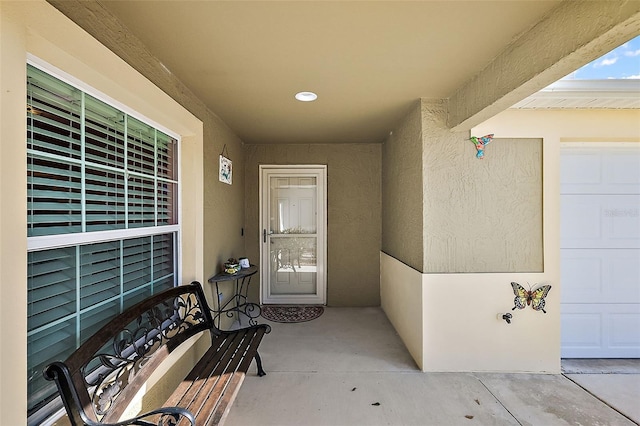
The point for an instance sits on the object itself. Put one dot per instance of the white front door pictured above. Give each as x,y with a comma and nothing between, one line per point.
600,250
293,249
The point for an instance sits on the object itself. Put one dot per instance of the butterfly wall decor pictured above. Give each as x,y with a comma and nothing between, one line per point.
535,297
480,143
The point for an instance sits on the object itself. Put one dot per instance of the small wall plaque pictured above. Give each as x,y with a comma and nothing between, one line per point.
226,167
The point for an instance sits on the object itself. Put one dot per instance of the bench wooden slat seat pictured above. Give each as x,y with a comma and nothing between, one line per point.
211,386
98,381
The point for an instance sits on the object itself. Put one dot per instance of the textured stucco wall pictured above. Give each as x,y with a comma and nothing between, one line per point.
480,215
445,211
223,207
353,214
223,203
402,182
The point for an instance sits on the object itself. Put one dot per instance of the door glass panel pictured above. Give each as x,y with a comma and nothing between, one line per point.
292,235
293,265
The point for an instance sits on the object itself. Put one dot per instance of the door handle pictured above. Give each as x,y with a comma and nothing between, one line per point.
264,235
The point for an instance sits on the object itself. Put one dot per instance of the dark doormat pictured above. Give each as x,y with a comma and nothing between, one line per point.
291,313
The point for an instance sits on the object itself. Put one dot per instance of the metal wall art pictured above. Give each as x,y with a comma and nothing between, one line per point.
480,143
535,297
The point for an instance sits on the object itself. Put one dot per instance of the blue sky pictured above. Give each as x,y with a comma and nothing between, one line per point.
621,62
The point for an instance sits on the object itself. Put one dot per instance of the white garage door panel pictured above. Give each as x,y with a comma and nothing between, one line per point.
625,330
598,170
600,250
622,169
600,275
613,331
600,221
584,330
581,170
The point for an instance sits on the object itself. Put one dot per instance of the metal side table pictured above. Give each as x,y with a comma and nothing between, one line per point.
238,304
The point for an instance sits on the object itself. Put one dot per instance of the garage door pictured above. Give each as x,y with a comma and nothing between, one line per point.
600,250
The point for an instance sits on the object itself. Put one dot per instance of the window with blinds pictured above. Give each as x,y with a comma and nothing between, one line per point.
90,167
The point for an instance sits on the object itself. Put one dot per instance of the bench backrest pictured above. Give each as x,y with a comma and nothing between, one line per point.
101,377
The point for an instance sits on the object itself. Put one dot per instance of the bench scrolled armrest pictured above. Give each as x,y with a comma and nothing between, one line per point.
59,372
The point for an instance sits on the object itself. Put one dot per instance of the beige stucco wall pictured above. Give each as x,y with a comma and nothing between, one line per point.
402,293
495,206
223,208
402,183
223,203
447,211
449,322
480,215
37,28
353,214
463,331
473,232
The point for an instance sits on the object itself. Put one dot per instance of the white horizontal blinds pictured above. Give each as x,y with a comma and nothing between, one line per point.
92,320
51,321
53,343
54,155
51,286
101,280
104,134
141,205
167,158
99,272
167,213
163,261
104,166
136,259
104,200
100,276
141,148
138,295
53,112
54,197
167,203
141,141
91,167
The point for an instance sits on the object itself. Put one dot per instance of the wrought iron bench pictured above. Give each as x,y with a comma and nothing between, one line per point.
98,381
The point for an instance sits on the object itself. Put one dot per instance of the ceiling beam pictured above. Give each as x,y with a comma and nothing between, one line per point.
96,20
572,35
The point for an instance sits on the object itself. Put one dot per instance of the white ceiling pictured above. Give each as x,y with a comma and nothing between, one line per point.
367,61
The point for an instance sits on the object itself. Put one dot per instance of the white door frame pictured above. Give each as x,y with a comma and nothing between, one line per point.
320,298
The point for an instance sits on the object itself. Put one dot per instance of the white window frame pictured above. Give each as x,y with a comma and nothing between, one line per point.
46,242
61,240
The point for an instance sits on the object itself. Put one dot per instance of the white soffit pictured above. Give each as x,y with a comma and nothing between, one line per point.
585,94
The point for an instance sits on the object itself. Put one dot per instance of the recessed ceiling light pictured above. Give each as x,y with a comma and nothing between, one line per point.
306,96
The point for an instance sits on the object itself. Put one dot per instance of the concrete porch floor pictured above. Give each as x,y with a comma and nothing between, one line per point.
349,367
